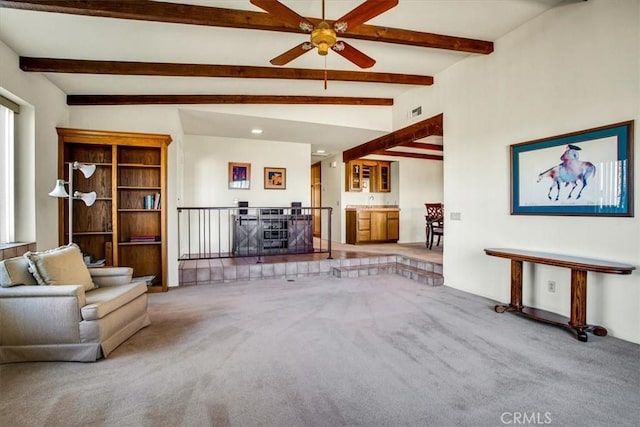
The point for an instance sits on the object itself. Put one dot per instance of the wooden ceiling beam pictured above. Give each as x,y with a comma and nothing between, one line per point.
411,133
178,13
422,146
130,68
222,99
411,155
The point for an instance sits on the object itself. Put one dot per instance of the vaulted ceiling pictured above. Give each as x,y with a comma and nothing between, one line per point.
211,52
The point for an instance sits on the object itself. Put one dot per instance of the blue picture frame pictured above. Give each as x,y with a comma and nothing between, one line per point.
585,173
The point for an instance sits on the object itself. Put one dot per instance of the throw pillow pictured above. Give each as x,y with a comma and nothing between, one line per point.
15,271
60,266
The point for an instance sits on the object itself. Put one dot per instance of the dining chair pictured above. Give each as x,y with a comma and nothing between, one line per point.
436,229
434,223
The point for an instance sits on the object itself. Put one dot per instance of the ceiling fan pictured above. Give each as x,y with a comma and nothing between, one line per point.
323,36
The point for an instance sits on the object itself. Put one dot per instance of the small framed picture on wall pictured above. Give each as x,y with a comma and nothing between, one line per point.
239,176
275,178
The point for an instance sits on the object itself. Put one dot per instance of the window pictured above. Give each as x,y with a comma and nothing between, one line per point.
7,202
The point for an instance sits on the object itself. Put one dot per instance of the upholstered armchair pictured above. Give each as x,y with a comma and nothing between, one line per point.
52,307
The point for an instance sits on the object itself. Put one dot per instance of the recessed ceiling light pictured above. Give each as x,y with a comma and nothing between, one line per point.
256,131
321,151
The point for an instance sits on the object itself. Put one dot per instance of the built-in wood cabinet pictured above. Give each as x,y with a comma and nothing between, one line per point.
126,226
393,226
354,176
269,234
384,177
368,175
372,225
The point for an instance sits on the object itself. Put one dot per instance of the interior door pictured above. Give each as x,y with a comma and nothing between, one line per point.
316,200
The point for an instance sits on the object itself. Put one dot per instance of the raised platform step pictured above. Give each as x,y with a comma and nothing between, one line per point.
413,272
214,271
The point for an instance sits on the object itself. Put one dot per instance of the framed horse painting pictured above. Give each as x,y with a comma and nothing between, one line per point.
589,172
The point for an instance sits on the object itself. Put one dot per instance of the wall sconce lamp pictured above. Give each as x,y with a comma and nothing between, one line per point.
59,190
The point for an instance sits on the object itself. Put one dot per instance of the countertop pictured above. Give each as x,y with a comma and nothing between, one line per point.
372,208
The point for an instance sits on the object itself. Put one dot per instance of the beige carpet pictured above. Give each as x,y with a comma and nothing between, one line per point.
375,351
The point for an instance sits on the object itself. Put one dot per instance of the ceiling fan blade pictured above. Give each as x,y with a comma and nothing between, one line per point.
354,55
283,13
361,14
292,54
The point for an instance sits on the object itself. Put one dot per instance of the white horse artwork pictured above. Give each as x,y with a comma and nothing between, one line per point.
570,171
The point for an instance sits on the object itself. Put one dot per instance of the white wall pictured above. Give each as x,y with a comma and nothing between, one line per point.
361,117
207,157
574,67
420,182
43,108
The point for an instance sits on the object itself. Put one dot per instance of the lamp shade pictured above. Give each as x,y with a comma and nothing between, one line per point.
59,190
88,198
87,170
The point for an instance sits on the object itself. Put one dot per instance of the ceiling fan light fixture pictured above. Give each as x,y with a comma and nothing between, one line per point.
323,37
340,27
323,49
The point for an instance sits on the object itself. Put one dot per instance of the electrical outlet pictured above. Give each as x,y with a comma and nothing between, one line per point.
551,286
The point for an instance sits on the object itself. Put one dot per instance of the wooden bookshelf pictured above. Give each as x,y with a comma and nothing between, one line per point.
130,166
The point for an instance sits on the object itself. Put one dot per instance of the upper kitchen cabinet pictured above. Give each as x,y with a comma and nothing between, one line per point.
368,175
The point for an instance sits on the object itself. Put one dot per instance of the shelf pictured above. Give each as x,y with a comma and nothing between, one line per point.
92,163
91,233
137,188
138,243
136,165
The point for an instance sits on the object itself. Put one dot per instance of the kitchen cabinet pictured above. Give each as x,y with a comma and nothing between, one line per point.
384,177
354,176
372,225
368,175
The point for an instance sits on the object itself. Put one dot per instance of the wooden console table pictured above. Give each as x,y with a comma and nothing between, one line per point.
579,267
